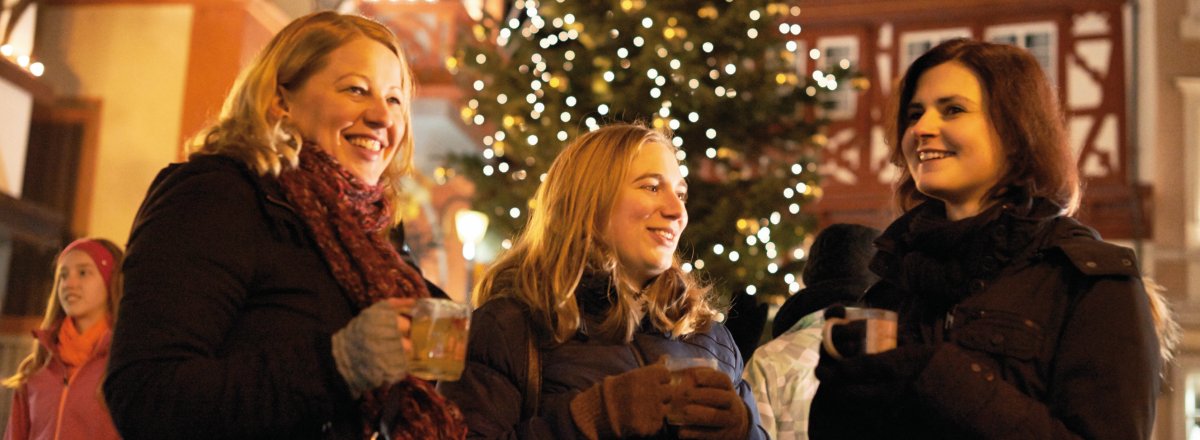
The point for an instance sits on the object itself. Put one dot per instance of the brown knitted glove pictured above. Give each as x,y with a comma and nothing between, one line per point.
713,410
633,403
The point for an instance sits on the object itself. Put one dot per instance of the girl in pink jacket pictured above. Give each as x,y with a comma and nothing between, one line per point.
58,386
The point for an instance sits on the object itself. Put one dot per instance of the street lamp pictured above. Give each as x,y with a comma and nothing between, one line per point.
470,226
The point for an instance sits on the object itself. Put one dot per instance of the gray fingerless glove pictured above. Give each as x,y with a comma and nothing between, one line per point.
369,351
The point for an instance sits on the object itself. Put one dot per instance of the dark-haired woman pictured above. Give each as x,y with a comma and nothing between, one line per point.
1015,320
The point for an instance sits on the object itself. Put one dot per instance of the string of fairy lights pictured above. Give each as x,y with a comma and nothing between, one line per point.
544,95
25,61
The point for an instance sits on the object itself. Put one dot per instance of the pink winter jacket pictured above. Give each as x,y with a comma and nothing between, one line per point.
53,406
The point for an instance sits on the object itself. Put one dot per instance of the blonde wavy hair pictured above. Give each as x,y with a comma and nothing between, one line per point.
54,315
248,131
564,240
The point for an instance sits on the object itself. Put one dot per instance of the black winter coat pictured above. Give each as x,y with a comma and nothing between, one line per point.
1045,333
493,385
229,307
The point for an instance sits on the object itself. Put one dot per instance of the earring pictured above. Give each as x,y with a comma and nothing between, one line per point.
286,141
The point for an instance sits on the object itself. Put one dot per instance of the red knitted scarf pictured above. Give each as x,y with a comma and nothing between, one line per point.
348,219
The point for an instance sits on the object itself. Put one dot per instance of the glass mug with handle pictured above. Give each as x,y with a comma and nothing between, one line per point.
877,328
439,339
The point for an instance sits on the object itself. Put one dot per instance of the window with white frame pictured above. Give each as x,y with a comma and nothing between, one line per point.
1039,38
1192,405
839,53
915,44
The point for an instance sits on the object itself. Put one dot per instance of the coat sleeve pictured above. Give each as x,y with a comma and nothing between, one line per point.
733,364
18,419
189,271
1103,382
494,382
782,376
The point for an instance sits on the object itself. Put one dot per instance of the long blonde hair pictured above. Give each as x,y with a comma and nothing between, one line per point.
564,240
246,129
54,315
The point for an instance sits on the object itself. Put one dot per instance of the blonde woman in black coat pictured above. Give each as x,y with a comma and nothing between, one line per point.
262,297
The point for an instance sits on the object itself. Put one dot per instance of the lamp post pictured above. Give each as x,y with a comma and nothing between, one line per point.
470,226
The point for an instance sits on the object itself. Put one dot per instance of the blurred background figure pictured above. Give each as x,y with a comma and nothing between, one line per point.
58,385
746,319
781,372
577,317
836,272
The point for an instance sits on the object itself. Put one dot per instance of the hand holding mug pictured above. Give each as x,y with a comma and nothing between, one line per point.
706,406
370,351
681,380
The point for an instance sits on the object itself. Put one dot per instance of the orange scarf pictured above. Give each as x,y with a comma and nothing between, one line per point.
75,348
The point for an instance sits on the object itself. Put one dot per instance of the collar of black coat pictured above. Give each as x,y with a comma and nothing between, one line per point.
924,244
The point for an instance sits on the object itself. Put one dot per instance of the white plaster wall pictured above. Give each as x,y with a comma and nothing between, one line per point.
134,59
1168,162
18,105
14,136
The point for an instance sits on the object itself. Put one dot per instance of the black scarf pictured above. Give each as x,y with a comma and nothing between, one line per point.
930,256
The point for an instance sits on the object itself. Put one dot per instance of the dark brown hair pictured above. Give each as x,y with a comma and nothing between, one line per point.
1021,105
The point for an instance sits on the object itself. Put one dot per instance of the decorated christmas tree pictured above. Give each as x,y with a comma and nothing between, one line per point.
720,74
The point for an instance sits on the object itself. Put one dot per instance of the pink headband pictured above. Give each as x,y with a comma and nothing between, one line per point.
100,255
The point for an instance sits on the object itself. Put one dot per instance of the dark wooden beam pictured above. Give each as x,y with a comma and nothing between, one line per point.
41,92
827,12
31,223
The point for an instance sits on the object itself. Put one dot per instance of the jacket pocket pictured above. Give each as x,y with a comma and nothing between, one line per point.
998,332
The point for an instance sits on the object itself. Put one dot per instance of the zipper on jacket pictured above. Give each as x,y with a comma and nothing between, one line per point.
67,381
949,324
62,399
637,354
276,201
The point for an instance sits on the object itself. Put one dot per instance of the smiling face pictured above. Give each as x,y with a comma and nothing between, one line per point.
352,107
81,289
648,216
951,146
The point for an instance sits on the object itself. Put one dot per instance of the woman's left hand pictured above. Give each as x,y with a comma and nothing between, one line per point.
372,350
874,378
712,408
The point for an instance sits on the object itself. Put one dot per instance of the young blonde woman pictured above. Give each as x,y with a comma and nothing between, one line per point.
1015,320
593,282
58,385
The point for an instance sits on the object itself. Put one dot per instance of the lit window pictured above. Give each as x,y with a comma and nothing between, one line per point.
915,44
843,100
1040,39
